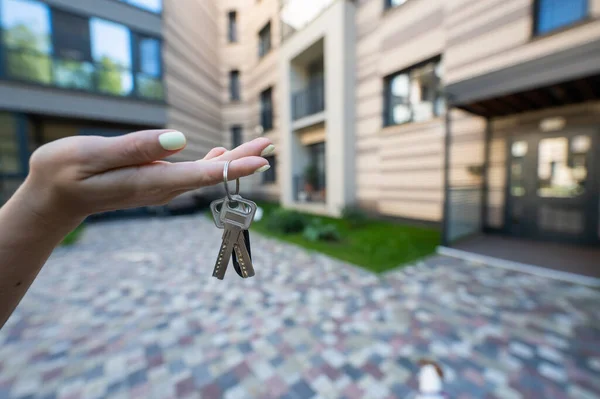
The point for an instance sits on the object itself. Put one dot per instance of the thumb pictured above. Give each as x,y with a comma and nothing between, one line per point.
136,148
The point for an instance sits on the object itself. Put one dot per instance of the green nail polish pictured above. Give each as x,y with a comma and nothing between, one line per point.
171,141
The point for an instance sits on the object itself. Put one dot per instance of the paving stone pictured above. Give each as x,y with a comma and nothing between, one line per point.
144,320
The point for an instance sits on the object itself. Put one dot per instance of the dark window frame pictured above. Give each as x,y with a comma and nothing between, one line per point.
235,92
387,5
232,27
270,175
535,12
136,67
54,57
137,7
387,91
263,38
266,109
236,132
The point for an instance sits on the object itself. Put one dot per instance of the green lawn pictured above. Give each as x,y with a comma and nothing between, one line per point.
73,236
377,246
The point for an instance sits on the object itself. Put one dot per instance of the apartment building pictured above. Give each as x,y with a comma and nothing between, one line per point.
477,116
249,41
98,67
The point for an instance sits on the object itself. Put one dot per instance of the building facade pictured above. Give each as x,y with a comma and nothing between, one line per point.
477,117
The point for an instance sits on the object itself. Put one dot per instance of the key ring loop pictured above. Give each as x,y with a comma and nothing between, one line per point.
225,181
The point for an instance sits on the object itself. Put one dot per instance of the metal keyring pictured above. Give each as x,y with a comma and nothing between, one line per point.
225,181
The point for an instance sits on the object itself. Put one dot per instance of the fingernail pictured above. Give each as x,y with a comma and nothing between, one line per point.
269,150
171,141
262,169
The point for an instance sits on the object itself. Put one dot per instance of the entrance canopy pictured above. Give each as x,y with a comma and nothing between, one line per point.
568,77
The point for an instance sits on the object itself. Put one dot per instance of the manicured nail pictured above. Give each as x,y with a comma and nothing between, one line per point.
269,150
171,141
262,169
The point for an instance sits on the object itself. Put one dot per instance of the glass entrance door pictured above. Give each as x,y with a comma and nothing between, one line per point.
553,187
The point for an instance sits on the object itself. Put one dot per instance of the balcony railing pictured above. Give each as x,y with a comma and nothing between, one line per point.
30,66
310,100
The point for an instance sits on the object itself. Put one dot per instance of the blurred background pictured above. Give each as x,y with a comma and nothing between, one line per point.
402,127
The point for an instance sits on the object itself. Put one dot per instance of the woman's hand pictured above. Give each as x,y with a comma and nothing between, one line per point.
77,176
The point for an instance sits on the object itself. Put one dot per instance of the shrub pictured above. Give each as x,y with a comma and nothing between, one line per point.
317,231
354,216
286,221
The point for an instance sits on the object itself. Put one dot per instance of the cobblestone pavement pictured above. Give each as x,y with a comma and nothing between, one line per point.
132,311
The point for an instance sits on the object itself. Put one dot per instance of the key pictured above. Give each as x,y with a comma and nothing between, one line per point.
230,237
217,205
237,211
242,257
215,208
236,265
236,215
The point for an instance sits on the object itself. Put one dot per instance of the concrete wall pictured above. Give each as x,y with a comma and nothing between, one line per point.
64,103
336,28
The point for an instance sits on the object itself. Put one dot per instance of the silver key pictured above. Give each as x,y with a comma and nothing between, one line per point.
217,205
230,237
236,215
237,211
243,257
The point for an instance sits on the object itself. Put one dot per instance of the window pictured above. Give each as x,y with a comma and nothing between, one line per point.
266,109
27,38
234,85
111,51
149,68
269,176
264,40
148,5
236,136
555,14
51,46
232,26
414,95
73,67
517,168
393,3
562,169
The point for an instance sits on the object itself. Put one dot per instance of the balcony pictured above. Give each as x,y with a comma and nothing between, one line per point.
310,100
29,66
33,81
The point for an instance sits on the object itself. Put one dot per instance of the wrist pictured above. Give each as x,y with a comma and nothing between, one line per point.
42,206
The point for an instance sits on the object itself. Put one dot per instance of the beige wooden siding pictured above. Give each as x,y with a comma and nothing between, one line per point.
489,35
191,58
400,168
256,75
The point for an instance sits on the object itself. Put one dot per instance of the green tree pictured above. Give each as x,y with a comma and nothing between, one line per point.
109,77
26,56
74,74
150,88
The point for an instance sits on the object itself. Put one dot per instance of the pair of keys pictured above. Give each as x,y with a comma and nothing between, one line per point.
234,215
